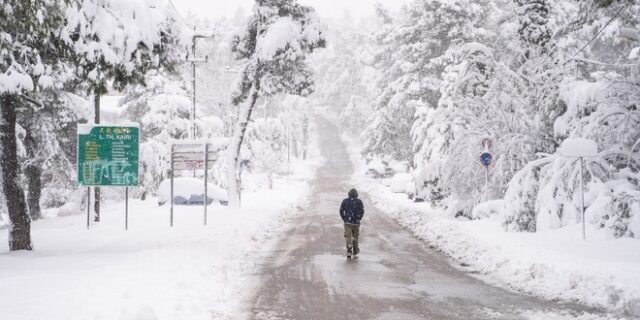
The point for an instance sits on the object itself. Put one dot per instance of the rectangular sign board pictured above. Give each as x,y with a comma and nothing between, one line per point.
191,156
108,155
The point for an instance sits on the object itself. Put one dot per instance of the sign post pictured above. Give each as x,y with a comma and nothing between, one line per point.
126,208
88,208
193,156
486,158
580,148
172,174
206,178
108,156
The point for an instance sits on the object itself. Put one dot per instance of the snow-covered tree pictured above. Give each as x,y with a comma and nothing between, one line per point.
587,98
49,147
44,45
28,32
406,124
412,61
345,79
267,144
116,43
279,36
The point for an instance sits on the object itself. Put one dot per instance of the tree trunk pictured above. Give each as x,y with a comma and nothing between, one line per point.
96,198
233,155
33,172
305,138
20,230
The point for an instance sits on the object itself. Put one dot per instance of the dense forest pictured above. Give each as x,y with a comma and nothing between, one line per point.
430,83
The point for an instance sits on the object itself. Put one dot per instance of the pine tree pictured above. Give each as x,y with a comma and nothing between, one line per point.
113,47
279,36
49,143
413,61
412,66
162,107
28,32
533,22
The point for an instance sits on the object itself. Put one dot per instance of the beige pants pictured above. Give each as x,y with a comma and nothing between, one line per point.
351,233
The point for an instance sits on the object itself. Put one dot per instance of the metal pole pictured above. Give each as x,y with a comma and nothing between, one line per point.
486,182
193,65
126,208
584,235
289,146
171,199
88,207
206,178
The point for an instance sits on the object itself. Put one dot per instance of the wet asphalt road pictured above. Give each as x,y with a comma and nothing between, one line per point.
307,276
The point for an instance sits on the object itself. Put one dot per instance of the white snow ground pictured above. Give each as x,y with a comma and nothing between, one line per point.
599,272
152,271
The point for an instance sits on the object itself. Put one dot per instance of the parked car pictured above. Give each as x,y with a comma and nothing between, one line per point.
190,191
401,183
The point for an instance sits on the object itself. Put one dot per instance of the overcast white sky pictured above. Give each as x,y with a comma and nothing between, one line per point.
328,8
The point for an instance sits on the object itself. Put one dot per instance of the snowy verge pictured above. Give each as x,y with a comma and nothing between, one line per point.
152,271
600,272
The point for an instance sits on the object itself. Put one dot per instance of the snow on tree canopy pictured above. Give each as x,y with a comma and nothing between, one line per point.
119,39
579,147
119,25
281,34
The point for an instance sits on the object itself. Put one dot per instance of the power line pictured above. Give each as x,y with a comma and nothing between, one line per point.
178,13
601,30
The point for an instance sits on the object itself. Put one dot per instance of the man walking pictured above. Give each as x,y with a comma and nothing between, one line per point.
351,212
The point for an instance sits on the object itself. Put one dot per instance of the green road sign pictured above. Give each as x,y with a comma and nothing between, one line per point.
108,155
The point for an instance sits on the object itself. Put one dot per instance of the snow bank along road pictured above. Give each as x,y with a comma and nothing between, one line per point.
397,277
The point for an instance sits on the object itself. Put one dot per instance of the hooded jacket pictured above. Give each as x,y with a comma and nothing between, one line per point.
352,209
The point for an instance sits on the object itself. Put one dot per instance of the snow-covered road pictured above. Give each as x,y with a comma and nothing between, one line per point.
397,276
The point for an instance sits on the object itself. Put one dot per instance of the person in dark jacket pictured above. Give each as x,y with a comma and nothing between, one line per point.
351,212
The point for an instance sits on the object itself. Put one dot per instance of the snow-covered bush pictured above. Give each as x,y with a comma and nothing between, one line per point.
487,209
545,194
616,209
267,146
384,168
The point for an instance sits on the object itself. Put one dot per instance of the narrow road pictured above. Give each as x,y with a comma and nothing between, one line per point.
307,276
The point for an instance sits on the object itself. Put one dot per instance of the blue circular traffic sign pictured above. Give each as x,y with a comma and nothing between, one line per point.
486,158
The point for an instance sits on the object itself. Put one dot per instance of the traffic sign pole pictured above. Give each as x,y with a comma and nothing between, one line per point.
126,208
88,208
486,182
172,174
584,232
486,159
206,177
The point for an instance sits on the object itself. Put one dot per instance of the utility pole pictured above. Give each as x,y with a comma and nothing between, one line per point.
96,201
194,60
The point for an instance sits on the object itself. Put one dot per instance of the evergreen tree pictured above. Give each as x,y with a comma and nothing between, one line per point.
279,36
411,59
49,144
28,31
118,45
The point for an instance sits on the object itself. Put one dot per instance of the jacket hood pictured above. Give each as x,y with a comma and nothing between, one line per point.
353,193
